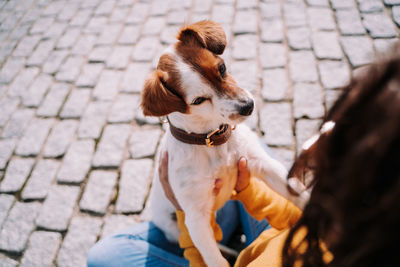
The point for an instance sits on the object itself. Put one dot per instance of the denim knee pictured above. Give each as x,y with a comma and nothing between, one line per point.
99,256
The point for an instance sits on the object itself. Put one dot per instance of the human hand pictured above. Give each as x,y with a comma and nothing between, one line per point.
163,175
243,177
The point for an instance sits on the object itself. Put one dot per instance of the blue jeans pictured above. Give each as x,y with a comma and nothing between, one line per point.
145,245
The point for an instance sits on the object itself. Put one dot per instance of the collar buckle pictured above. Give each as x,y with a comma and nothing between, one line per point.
210,143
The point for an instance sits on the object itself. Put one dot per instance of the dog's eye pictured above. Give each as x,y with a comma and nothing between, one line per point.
222,70
199,100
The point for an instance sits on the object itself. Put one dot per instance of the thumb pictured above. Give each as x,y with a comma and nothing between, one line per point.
242,165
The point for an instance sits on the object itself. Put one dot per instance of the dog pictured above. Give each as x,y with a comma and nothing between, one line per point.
203,103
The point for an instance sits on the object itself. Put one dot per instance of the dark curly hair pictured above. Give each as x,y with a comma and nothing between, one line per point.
354,207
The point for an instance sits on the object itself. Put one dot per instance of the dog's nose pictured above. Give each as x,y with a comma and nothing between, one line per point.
247,108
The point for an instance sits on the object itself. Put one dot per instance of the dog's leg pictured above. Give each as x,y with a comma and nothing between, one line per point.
273,173
197,200
198,224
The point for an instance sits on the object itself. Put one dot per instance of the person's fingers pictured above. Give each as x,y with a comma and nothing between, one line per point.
243,171
217,186
163,167
242,164
243,178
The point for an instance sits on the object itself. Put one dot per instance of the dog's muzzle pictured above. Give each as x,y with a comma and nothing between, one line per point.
245,108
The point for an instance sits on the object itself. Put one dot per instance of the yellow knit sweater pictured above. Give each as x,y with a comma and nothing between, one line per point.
261,202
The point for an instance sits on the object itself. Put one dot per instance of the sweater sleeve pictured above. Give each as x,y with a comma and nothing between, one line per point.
185,242
262,202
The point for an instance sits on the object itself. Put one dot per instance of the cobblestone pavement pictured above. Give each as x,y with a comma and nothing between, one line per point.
76,153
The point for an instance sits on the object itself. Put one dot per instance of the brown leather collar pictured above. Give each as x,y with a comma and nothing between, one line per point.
215,138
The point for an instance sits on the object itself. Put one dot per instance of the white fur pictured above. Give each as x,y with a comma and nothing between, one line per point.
192,169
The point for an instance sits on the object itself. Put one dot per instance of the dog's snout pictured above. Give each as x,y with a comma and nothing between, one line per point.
247,108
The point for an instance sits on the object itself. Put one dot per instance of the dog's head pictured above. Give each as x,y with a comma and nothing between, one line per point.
192,78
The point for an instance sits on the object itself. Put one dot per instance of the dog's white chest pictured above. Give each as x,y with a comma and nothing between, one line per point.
193,170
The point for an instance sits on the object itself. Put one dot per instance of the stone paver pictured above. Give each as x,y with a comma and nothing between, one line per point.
58,207
334,74
6,201
69,71
272,55
8,262
16,174
358,49
246,75
41,53
302,66
245,47
245,22
326,45
10,69
75,104
40,181
308,101
54,61
38,254
77,244
396,15
26,45
60,138
98,192
7,148
107,87
294,14
320,18
111,147
299,38
143,143
275,123
275,84
69,38
89,75
134,77
272,31
7,107
119,57
349,22
330,97
93,119
76,162
16,229
32,141
129,35
123,109
145,49
74,143
99,54
34,95
135,175
379,25
15,128
370,6
53,101
22,81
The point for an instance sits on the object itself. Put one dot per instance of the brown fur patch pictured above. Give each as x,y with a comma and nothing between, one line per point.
207,34
167,63
162,93
206,64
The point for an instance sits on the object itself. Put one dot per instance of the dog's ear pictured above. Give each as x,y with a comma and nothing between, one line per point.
206,33
157,99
